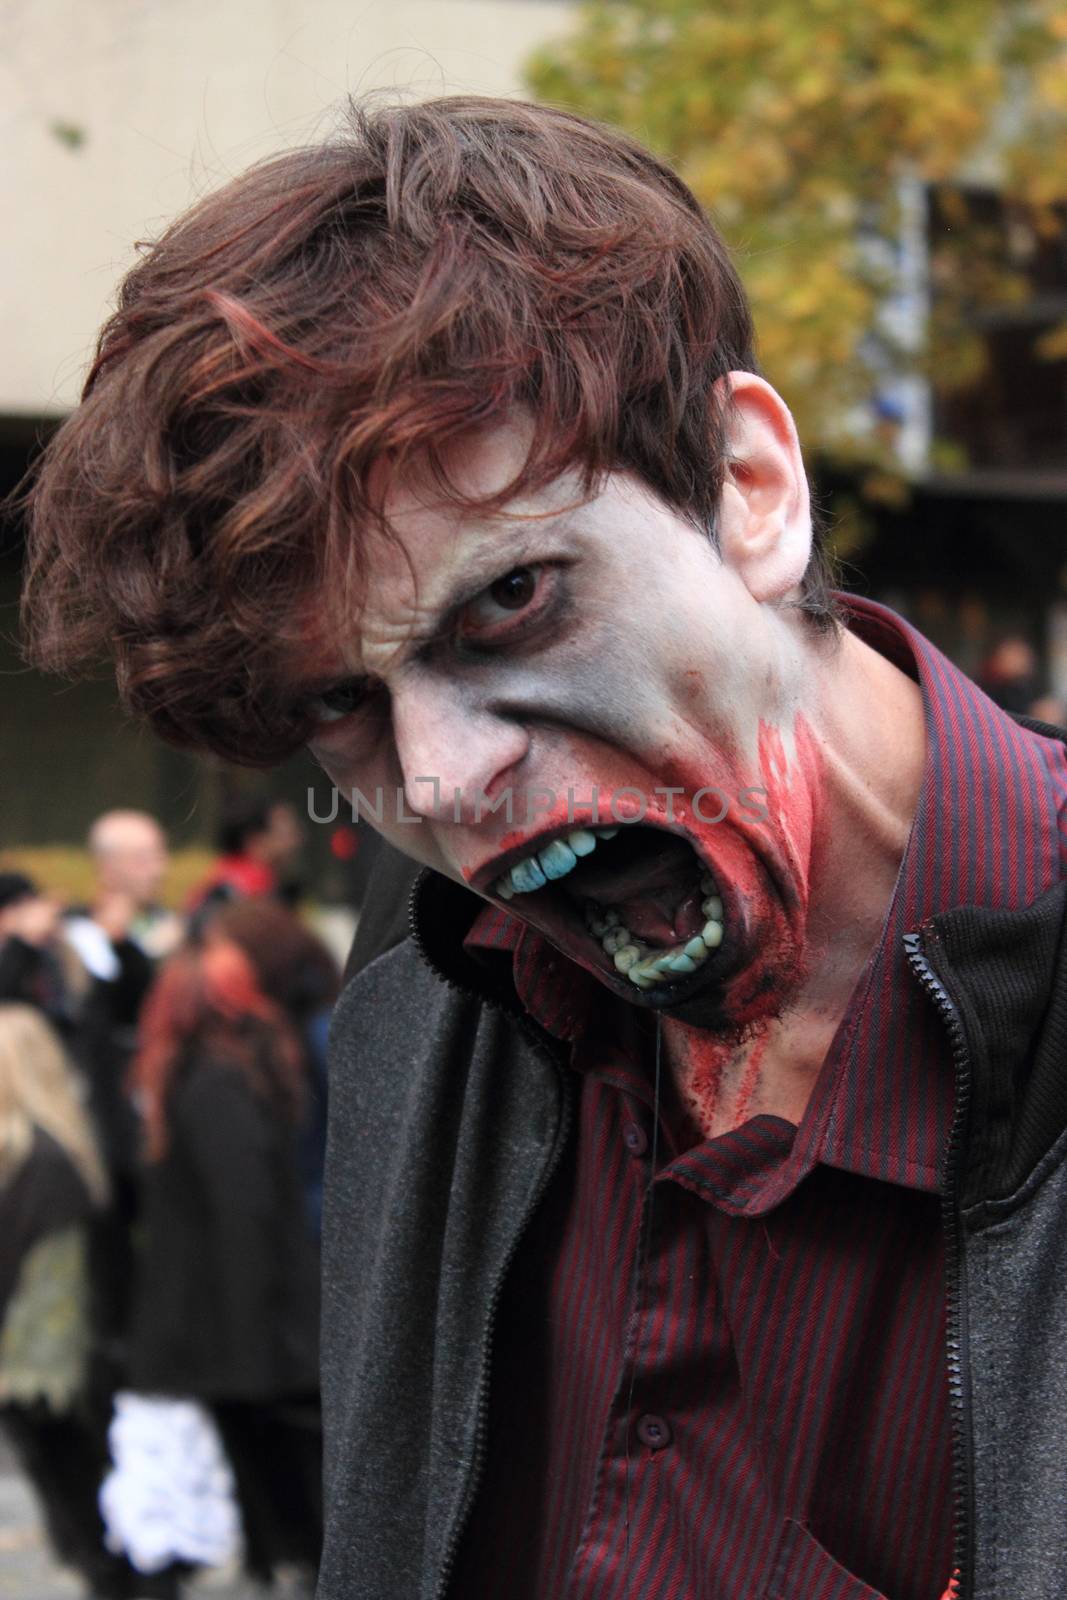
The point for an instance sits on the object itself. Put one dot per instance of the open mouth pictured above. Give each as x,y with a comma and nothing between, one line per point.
635,901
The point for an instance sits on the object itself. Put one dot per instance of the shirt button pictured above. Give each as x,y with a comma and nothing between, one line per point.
653,1431
635,1138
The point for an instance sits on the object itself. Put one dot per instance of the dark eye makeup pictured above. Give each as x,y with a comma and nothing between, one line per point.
507,607
338,702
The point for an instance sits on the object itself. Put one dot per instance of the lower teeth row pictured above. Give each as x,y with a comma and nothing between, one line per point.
646,967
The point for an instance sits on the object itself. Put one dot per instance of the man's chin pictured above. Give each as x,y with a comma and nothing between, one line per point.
731,1004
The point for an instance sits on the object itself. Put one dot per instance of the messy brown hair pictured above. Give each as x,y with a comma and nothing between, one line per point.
357,305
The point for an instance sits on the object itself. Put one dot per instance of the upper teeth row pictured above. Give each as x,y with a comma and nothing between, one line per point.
554,861
644,966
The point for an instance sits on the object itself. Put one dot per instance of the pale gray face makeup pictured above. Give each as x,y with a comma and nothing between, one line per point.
560,648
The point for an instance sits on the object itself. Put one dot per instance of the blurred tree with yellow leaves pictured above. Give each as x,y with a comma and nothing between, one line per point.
803,126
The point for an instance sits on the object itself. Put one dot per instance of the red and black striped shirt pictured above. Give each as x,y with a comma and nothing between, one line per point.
757,1405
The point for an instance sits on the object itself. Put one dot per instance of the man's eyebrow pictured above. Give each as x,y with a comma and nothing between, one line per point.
489,562
495,560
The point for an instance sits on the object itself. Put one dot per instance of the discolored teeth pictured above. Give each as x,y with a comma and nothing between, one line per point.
556,860
551,863
582,842
528,875
646,967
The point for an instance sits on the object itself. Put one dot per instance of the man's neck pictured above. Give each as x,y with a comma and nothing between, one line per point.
867,719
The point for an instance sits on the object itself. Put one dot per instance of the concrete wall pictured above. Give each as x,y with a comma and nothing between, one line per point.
169,99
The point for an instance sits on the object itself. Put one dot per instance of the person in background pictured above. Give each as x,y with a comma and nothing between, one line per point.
129,854
1011,677
119,939
52,1184
296,971
32,964
1009,674
39,968
259,843
226,1307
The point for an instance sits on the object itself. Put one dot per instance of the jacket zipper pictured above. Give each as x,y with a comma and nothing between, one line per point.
955,1297
543,1046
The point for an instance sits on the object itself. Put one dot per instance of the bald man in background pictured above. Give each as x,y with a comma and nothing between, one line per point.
130,858
119,938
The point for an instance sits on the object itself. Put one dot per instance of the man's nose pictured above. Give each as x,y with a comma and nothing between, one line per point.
455,758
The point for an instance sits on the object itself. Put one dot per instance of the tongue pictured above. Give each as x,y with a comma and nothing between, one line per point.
662,921
648,877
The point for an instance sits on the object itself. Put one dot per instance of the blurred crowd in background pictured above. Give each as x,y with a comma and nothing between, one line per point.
162,1135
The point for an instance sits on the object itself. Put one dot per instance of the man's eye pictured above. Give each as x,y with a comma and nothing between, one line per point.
333,705
491,611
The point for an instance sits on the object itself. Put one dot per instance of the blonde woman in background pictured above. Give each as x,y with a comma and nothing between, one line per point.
52,1184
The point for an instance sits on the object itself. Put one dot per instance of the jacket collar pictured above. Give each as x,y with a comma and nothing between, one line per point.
1005,972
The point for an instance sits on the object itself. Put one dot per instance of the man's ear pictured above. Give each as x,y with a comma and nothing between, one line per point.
764,519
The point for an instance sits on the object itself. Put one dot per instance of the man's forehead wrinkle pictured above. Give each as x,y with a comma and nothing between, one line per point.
383,641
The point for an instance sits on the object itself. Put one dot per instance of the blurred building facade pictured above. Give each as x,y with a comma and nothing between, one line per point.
976,550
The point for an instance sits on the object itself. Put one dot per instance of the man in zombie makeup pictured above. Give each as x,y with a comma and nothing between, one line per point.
696,1185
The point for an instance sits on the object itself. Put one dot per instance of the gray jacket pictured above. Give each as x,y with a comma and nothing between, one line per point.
449,1110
